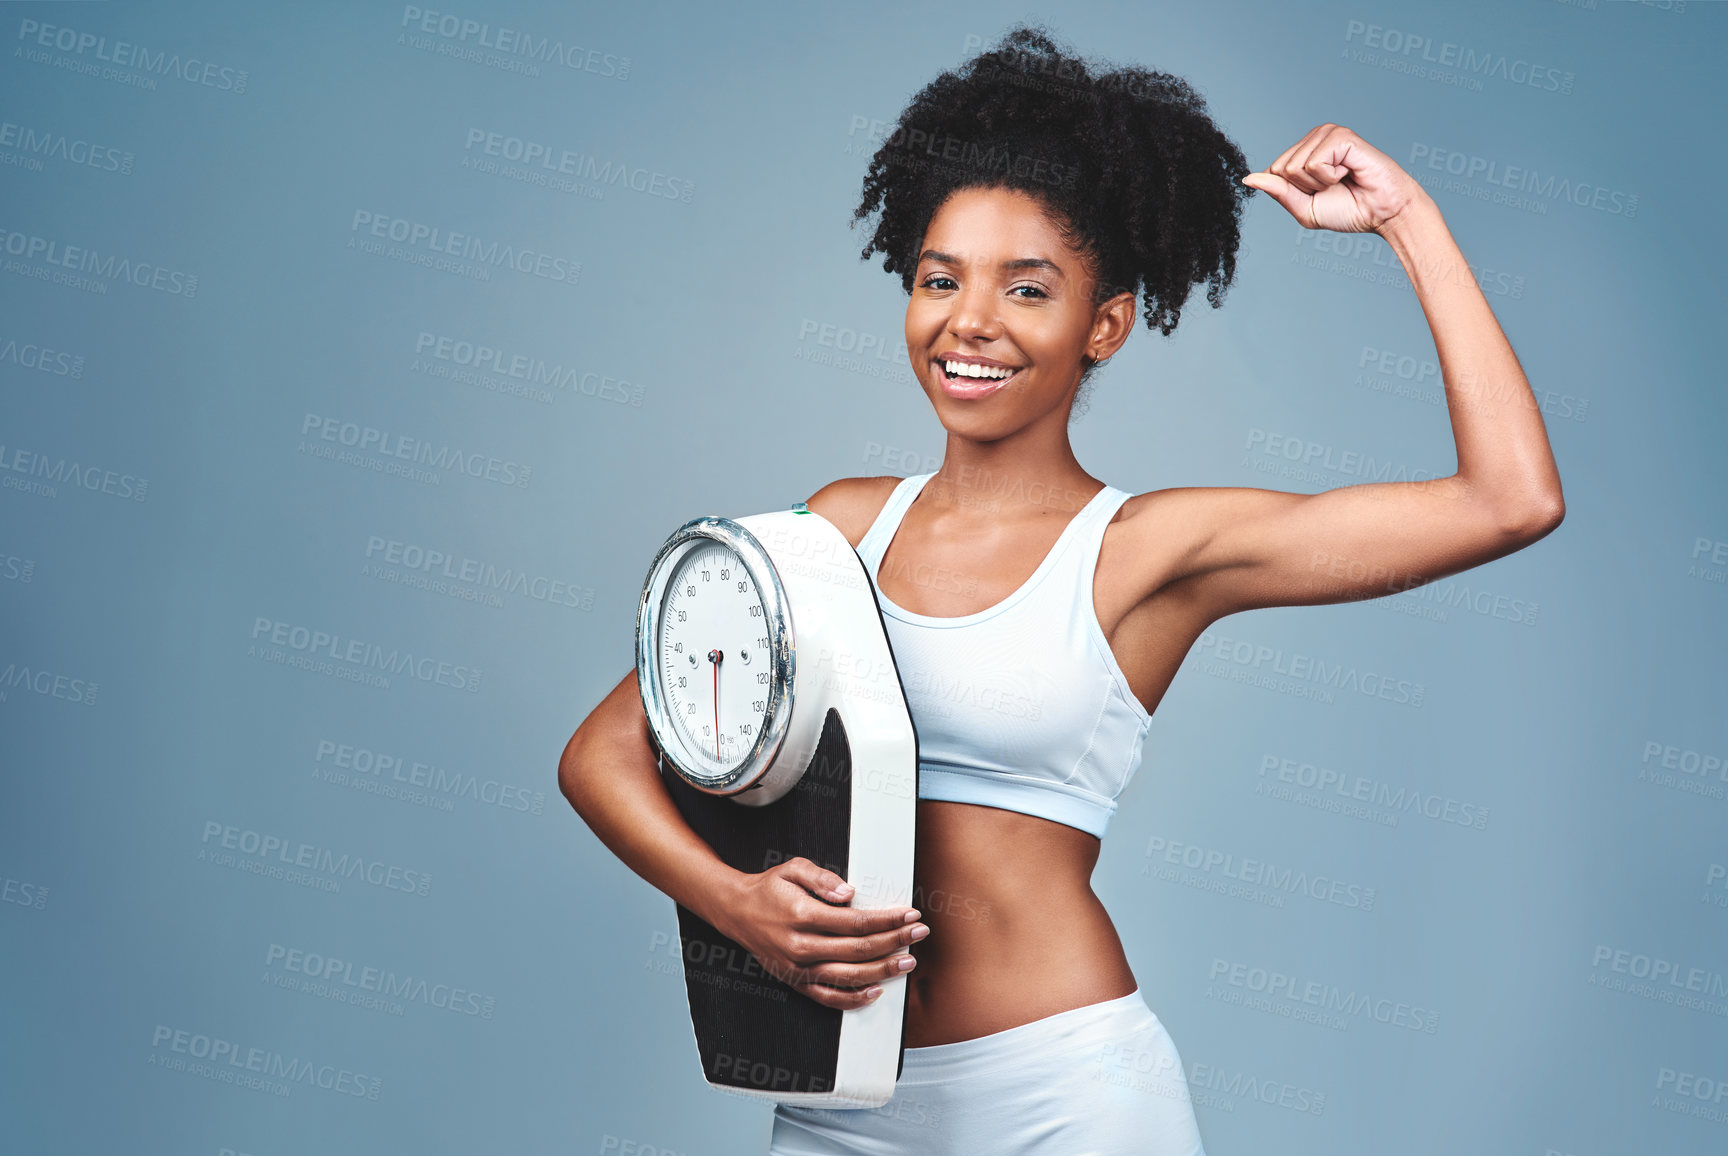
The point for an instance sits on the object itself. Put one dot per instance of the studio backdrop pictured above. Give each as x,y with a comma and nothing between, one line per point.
356,357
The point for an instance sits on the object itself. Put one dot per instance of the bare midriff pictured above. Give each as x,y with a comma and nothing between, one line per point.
1016,933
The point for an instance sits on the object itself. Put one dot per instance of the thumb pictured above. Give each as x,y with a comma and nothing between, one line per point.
1279,190
818,880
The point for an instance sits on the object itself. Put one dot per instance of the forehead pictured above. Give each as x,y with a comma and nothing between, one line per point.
996,224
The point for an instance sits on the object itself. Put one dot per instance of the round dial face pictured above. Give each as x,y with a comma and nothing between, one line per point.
714,656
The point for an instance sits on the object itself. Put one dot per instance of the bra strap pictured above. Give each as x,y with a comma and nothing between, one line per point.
874,544
1093,533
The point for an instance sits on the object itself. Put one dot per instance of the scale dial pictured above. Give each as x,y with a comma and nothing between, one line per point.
714,655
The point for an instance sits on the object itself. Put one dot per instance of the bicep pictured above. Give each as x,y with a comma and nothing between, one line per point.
1271,548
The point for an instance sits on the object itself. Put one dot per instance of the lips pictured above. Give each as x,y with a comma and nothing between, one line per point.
968,379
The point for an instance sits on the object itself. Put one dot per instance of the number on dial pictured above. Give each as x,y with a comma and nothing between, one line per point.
714,655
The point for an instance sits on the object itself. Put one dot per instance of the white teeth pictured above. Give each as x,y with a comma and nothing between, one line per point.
967,369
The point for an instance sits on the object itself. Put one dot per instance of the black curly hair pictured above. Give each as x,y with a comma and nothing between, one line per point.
1127,162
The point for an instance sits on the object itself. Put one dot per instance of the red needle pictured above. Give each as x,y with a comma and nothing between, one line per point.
714,657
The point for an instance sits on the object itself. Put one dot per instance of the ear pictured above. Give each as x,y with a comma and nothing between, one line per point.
1112,322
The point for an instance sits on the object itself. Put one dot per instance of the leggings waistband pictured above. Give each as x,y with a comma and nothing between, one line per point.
1054,1034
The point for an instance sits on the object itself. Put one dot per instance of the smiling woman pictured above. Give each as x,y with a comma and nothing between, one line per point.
1028,202
986,245
1126,164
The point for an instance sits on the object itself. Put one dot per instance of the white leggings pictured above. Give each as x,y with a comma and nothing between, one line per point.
1092,1081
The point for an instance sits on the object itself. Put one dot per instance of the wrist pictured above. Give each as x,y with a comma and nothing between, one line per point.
715,895
1417,220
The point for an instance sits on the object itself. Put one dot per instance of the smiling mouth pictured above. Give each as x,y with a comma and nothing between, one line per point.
966,373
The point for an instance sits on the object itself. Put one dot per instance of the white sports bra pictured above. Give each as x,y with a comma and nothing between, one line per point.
1022,705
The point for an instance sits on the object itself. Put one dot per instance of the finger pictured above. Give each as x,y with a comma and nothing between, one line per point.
1295,167
1328,163
1288,164
827,920
1284,157
1299,203
846,999
863,974
816,948
818,880
786,971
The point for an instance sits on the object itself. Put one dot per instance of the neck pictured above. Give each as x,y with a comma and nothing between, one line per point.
1031,473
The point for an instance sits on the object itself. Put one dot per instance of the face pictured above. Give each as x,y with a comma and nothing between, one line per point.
1002,314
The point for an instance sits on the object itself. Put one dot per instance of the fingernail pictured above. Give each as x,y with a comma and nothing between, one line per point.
843,889
872,993
911,915
919,932
907,963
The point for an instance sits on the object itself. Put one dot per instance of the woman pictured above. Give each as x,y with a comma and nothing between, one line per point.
1037,614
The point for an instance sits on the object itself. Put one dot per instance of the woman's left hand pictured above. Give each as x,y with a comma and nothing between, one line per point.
1333,179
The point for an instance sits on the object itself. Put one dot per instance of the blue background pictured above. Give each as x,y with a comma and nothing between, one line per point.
169,527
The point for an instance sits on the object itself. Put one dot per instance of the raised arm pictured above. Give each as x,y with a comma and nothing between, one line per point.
1255,547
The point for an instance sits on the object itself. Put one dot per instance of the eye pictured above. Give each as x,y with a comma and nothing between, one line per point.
1033,290
930,282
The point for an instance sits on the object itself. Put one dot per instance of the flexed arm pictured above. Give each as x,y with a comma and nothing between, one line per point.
1256,547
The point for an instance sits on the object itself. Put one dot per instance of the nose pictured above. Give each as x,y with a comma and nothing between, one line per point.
973,315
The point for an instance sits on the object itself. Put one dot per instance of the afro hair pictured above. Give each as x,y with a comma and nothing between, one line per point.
1127,162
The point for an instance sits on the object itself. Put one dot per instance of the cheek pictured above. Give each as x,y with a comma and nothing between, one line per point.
922,324
1066,337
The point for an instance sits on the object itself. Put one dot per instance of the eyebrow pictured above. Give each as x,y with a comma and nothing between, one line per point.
1017,263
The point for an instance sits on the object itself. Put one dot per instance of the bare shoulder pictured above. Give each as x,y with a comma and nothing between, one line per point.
1200,507
853,503
1179,523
